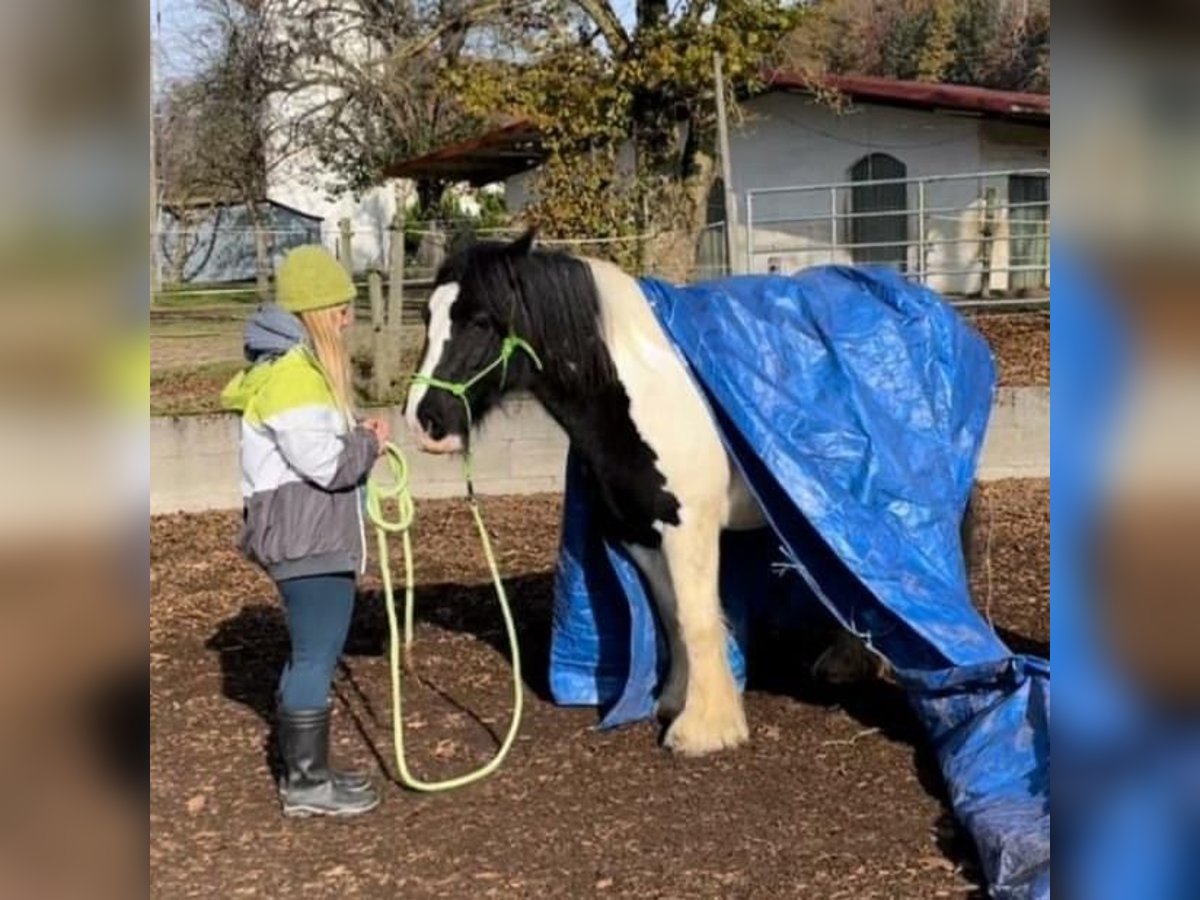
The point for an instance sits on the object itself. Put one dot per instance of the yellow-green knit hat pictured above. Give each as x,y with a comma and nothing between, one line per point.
310,278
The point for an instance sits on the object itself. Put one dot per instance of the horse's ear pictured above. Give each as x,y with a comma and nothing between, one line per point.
523,245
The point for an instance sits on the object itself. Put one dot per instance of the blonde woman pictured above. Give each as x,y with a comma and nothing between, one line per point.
304,459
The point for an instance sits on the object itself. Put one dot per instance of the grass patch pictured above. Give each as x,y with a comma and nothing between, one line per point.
188,390
202,297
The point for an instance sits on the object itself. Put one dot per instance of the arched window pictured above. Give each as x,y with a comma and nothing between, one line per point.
881,238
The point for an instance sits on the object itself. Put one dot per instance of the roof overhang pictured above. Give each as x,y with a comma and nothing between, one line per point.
494,156
954,98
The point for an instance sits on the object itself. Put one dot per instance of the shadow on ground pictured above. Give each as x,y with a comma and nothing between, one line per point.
253,645
253,648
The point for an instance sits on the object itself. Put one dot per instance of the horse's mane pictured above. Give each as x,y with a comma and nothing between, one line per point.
550,299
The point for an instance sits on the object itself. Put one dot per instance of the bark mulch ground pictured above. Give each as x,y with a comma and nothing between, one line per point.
189,372
835,796
1020,343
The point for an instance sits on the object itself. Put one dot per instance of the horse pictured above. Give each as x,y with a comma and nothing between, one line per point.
604,369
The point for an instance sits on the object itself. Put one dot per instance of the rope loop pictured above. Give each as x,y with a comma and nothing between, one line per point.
397,492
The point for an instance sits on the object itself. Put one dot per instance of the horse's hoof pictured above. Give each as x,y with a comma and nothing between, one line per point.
700,733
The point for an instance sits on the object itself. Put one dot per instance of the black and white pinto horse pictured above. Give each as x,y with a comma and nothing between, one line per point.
662,479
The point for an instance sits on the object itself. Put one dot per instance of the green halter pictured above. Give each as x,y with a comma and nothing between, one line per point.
512,343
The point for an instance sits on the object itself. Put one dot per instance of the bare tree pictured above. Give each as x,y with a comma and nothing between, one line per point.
247,69
215,132
365,78
188,194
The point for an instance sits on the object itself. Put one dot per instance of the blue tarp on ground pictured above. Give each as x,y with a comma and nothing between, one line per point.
855,404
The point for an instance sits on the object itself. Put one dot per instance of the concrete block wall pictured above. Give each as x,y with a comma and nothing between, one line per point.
194,459
1018,439
520,450
194,463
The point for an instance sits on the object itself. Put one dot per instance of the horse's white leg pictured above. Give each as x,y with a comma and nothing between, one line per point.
654,566
712,716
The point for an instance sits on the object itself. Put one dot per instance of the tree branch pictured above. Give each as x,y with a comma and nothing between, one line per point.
697,10
606,19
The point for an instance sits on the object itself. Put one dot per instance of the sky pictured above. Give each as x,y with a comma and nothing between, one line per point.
173,21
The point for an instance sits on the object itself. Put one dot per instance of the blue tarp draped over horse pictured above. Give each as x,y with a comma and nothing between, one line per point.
855,404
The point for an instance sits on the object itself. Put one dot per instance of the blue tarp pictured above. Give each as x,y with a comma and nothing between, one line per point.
855,404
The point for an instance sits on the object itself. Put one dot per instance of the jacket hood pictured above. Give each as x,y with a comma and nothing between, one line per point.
272,331
240,390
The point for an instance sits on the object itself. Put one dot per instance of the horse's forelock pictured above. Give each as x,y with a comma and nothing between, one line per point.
546,297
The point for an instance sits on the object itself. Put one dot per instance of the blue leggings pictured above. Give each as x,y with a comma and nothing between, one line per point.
318,615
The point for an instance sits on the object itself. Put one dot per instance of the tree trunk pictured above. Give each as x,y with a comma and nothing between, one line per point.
678,221
651,13
181,251
429,195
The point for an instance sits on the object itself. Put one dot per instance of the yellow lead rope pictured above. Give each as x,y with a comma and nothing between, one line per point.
398,492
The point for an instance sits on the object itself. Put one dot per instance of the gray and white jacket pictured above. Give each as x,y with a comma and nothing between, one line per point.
303,463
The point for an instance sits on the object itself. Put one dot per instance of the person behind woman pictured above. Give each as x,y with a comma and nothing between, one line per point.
304,459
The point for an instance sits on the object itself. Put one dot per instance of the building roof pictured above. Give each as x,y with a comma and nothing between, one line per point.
494,156
517,147
955,98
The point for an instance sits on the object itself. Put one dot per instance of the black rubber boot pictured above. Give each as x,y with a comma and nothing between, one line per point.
308,786
348,779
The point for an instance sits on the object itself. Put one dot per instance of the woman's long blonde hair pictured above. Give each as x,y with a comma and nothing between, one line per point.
324,328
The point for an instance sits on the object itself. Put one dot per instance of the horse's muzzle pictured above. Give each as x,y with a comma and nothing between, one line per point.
420,429
451,443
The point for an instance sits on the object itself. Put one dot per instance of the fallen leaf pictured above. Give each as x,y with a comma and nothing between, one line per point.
936,862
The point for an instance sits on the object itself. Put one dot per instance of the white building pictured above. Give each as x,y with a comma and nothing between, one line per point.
296,178
301,182
946,182
295,175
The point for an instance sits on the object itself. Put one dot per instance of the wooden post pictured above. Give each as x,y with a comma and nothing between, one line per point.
731,211
437,248
395,299
381,367
375,295
346,246
431,251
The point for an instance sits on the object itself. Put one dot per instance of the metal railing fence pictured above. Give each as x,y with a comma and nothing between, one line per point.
978,235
